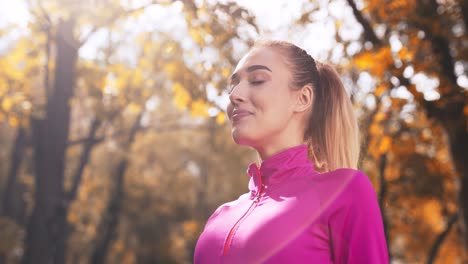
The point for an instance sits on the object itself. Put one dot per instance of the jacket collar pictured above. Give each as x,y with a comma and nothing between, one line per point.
278,167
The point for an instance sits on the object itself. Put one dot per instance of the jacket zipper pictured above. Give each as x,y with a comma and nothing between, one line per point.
236,225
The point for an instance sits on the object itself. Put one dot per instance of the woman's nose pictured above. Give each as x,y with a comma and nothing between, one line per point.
237,94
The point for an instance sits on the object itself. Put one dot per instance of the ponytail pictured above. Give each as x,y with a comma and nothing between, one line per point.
332,134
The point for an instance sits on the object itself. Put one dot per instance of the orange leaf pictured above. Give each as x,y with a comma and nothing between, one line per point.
385,144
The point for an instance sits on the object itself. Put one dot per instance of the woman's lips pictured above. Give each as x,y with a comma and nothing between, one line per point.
238,114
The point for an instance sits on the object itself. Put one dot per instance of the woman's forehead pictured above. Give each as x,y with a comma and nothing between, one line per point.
264,56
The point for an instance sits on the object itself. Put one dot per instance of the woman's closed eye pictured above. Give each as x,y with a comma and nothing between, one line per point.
256,82
233,84
257,79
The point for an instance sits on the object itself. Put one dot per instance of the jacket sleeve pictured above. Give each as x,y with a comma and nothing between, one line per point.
356,227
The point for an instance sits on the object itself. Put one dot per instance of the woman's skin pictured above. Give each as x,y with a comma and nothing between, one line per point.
266,113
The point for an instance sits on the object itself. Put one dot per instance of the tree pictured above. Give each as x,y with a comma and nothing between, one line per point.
405,69
45,241
427,37
405,123
89,101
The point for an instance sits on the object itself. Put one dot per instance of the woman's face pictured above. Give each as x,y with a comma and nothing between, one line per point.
261,102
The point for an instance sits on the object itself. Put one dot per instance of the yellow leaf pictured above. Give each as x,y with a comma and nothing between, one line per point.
364,60
170,69
137,79
181,96
197,36
200,108
120,83
221,118
133,107
338,24
7,104
137,13
13,121
225,72
169,49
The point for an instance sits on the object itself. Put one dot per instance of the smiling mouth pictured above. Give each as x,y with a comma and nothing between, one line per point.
239,116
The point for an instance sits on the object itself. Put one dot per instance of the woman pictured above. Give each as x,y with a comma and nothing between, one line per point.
307,202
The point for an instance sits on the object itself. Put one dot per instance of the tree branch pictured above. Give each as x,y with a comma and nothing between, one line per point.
382,196
84,158
112,19
369,33
44,12
439,42
440,238
365,125
167,128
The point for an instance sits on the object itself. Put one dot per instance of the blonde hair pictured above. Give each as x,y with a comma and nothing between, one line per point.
332,132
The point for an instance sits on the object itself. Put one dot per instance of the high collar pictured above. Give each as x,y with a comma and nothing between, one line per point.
278,167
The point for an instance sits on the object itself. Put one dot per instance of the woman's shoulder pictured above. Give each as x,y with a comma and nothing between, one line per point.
358,181
343,186
353,178
341,175
357,178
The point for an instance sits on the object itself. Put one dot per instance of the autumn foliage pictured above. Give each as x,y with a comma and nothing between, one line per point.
115,146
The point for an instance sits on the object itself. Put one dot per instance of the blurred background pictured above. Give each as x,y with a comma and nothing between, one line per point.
114,143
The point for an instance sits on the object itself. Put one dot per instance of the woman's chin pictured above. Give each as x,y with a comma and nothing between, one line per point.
241,138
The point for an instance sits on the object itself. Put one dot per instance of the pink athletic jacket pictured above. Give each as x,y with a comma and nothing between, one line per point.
294,214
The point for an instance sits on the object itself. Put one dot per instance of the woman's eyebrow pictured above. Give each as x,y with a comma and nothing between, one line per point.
257,67
251,69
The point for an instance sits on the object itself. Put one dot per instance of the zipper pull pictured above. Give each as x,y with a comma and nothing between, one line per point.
259,194
257,197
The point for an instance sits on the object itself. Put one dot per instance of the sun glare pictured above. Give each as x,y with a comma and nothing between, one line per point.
13,12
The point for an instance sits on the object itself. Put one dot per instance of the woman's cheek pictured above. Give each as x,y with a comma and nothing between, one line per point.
229,110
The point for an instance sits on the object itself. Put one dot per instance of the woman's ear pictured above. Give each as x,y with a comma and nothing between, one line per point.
305,97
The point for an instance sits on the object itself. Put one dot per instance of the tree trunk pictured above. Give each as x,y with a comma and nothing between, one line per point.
13,205
110,220
382,196
45,239
457,130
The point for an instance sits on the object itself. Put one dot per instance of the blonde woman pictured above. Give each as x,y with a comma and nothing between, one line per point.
307,202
